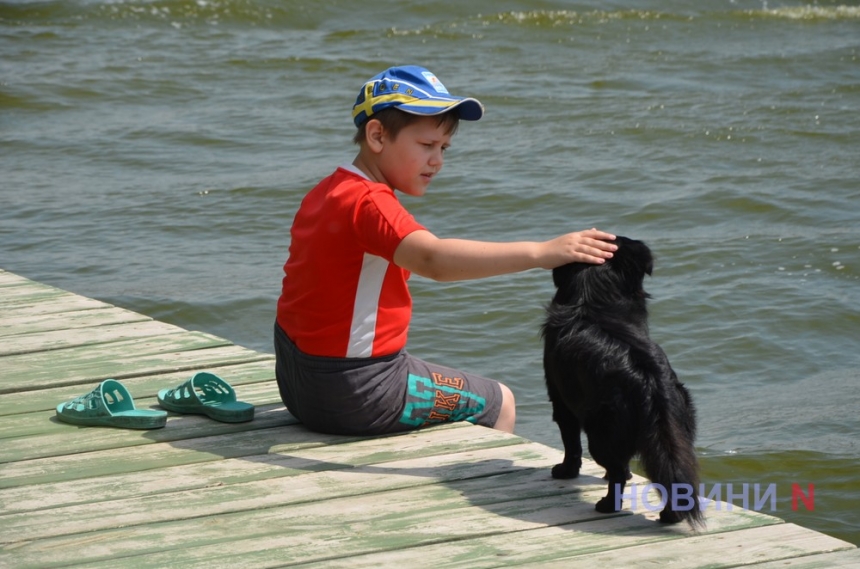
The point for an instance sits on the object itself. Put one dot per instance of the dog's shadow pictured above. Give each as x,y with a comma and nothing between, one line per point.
297,467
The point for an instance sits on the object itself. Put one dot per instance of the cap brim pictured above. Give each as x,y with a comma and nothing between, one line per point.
469,109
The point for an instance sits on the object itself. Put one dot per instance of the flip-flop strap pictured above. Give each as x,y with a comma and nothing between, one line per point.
215,389
89,402
102,398
182,393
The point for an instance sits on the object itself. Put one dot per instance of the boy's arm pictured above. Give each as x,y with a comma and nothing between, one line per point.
424,254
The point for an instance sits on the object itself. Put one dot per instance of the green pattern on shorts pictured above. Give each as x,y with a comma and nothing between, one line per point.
439,399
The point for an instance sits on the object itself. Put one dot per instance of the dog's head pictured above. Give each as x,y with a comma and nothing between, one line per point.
619,277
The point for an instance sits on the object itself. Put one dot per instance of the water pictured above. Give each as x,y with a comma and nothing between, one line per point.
152,155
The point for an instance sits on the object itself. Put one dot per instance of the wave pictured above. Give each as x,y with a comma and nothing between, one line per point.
808,13
552,18
542,18
176,12
297,14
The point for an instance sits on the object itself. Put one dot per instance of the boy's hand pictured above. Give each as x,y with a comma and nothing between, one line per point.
589,246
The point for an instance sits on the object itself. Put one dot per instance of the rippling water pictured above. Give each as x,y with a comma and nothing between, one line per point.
152,154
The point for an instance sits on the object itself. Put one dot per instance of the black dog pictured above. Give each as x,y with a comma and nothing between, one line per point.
607,377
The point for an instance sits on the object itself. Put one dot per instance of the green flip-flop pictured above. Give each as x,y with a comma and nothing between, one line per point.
206,394
109,405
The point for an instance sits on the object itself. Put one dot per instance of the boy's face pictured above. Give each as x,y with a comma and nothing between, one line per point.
411,160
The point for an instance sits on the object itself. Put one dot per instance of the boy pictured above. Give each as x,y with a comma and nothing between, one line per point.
344,310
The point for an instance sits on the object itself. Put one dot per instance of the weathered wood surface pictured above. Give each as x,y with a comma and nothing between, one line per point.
270,493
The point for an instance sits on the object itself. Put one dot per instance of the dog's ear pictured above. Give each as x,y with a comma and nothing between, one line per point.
637,253
632,262
646,258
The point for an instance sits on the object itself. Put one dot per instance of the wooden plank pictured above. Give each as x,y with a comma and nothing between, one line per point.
339,530
631,541
11,279
314,529
84,465
452,548
29,293
499,480
769,543
119,360
146,386
301,452
301,480
48,341
849,559
89,439
39,323
62,303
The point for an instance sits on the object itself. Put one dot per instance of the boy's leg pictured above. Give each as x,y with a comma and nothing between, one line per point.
508,414
438,394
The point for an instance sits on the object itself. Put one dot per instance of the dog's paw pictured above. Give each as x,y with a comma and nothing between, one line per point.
606,505
563,471
667,516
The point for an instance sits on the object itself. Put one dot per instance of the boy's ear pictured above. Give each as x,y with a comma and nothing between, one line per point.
374,134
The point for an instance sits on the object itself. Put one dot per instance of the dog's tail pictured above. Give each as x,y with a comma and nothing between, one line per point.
668,456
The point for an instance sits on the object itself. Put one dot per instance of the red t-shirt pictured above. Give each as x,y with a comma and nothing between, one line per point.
342,294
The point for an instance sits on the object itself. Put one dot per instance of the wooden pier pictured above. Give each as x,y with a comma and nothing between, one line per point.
269,493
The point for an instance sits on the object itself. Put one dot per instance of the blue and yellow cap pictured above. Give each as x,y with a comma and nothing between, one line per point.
414,90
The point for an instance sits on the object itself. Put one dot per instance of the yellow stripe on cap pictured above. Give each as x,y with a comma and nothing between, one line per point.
370,101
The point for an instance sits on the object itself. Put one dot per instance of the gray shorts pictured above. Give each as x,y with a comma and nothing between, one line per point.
371,396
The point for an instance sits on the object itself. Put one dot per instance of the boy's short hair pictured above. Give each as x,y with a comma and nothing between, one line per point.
394,120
